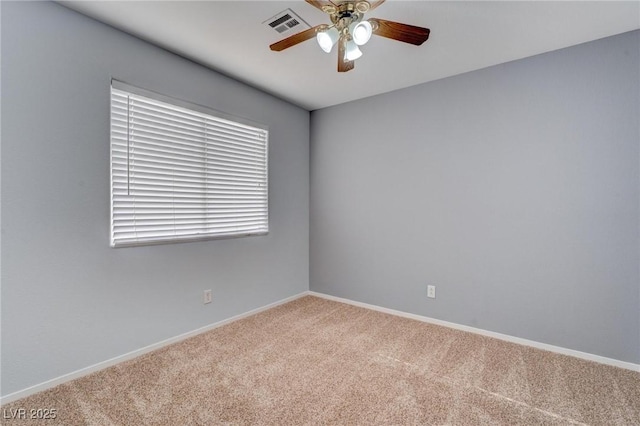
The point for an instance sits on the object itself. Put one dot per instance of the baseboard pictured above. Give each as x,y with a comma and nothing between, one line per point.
138,352
505,337
134,354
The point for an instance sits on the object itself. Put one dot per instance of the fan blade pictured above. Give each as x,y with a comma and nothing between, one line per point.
322,5
375,4
401,32
343,64
296,38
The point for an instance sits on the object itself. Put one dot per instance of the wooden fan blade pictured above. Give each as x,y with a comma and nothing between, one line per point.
296,38
375,3
401,32
322,5
343,64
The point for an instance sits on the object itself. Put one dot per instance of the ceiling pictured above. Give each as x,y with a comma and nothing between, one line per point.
230,37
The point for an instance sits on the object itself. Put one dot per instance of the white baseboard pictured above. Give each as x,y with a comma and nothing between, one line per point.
138,352
134,354
505,337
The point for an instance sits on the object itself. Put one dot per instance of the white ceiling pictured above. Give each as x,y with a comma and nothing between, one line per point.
230,37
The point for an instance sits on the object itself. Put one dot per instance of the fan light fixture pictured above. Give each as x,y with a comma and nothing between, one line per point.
361,32
327,38
352,52
358,33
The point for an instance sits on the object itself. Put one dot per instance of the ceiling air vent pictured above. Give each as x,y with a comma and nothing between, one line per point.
286,23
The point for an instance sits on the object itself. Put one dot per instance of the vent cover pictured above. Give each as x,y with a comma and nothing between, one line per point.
286,23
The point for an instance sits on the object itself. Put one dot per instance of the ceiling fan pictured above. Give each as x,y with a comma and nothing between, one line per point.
349,30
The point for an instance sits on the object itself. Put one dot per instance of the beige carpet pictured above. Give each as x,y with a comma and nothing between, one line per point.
313,361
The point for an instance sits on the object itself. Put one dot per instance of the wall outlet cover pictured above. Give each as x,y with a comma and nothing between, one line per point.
207,296
431,291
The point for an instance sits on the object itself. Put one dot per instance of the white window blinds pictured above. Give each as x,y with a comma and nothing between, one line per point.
181,172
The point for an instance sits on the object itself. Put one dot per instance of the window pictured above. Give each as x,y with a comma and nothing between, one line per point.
182,172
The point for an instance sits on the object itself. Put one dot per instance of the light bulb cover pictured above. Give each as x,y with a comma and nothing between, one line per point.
352,52
327,38
361,32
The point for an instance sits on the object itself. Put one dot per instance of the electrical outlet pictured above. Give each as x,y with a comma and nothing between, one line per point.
431,291
207,296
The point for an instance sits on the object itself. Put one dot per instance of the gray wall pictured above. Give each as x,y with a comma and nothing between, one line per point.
513,189
68,300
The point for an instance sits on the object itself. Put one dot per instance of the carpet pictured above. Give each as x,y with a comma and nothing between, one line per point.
315,361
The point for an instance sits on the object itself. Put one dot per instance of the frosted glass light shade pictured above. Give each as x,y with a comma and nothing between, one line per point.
327,38
361,32
352,52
